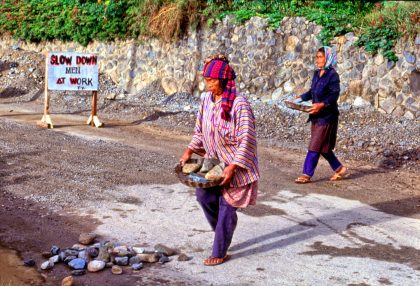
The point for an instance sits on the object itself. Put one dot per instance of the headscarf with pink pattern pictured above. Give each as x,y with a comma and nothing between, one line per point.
217,67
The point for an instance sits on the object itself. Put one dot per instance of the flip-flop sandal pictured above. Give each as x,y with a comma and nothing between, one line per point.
337,177
303,180
213,261
340,175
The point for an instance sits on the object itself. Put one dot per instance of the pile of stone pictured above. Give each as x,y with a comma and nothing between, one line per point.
89,255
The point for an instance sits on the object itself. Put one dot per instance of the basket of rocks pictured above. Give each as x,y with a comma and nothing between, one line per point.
201,173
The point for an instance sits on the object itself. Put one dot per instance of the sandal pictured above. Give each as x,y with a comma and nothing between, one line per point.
341,174
304,179
213,261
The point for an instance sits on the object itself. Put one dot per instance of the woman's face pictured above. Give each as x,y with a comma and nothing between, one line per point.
213,85
320,60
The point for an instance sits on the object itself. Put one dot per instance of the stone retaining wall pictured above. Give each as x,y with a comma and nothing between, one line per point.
270,64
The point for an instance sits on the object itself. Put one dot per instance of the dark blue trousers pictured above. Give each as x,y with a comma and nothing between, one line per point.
221,216
312,158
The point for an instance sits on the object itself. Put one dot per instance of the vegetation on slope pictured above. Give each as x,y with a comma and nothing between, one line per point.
378,25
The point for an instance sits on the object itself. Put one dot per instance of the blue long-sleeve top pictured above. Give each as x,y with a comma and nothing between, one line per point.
324,89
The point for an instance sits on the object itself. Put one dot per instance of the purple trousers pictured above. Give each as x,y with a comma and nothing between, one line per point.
312,158
221,216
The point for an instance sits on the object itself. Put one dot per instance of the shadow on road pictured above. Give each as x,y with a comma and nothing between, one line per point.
338,223
10,92
152,117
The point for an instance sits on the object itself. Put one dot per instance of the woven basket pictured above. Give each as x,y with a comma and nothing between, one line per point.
183,178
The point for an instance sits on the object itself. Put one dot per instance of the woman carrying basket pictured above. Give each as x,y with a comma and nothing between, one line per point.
225,129
324,92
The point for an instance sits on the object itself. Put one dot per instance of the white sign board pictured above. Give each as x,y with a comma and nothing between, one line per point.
72,71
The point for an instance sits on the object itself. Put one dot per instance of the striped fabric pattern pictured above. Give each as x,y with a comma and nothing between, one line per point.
233,142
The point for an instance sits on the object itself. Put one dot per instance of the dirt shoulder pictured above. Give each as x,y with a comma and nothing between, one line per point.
157,148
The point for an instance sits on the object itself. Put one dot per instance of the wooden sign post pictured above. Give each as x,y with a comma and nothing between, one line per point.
71,71
46,118
93,119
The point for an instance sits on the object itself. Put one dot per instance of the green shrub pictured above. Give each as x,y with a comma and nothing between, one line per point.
244,10
336,18
382,38
381,28
68,20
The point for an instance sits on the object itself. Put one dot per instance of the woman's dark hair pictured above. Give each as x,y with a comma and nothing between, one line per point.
322,50
223,83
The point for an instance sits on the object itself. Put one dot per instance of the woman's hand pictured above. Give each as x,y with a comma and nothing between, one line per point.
316,108
296,97
228,173
185,157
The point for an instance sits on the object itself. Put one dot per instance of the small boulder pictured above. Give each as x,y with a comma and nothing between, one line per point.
208,164
93,252
84,255
103,254
134,260
87,238
55,250
216,173
190,168
62,255
29,262
116,270
137,266
123,261
77,264
95,266
120,251
164,249
55,259
169,85
148,257
47,265
163,259
138,250
184,257
67,281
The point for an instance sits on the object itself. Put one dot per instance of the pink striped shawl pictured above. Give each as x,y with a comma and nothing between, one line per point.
233,142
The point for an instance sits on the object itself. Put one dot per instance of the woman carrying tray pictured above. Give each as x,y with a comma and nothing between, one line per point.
225,129
324,92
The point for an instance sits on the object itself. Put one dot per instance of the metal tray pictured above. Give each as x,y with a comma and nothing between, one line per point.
297,106
183,178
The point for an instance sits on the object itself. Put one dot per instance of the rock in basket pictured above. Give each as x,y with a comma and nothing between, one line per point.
195,179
